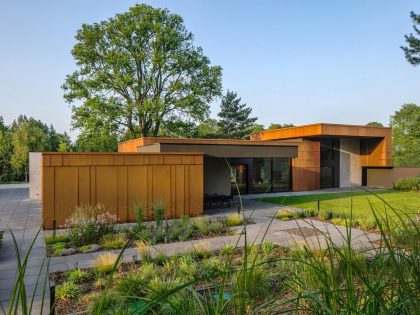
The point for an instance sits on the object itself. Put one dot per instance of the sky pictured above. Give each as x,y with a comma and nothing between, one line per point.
292,61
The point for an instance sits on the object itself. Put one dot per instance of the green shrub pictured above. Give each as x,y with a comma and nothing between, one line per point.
67,290
227,250
159,212
202,224
130,285
326,214
283,214
234,219
340,221
308,213
58,238
160,259
253,282
114,241
366,223
408,184
105,262
185,268
84,249
299,214
77,275
267,248
58,248
211,266
88,224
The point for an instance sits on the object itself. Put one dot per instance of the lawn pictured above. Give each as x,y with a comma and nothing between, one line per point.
404,202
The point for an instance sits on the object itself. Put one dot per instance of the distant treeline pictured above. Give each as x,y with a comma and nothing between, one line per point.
22,136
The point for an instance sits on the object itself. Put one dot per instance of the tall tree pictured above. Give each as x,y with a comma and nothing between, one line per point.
405,125
27,135
412,50
374,124
139,74
235,120
6,149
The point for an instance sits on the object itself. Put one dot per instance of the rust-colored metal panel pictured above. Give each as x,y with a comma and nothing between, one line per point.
103,159
188,159
179,190
306,167
84,185
162,185
122,193
137,190
48,196
56,160
107,187
66,192
196,191
78,160
93,185
117,187
186,190
46,160
172,159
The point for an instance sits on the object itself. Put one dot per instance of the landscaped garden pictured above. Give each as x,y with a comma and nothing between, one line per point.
92,228
263,279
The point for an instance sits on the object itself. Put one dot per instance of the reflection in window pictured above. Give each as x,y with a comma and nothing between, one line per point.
281,174
261,176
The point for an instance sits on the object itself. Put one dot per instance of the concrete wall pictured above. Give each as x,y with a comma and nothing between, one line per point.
216,176
384,177
350,169
35,175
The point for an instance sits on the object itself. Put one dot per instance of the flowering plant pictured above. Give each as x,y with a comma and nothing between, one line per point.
88,224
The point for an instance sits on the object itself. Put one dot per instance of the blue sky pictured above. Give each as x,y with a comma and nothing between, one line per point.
291,61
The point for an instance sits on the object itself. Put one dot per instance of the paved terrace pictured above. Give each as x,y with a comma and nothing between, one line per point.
24,218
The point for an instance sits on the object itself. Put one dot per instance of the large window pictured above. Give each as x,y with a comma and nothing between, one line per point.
261,176
281,174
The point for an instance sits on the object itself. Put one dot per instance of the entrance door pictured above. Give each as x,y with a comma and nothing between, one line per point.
239,174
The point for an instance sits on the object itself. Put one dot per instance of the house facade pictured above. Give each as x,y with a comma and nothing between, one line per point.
299,158
181,172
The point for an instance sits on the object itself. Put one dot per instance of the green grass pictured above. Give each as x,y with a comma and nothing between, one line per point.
340,203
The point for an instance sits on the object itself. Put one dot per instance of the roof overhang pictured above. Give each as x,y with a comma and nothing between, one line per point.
223,150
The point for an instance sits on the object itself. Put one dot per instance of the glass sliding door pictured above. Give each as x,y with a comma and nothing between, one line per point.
261,176
239,179
281,174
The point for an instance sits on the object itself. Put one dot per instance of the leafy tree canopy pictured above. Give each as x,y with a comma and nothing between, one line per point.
278,126
235,120
412,50
405,125
374,124
139,74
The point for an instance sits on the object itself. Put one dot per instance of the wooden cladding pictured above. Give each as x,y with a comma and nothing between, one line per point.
306,167
119,180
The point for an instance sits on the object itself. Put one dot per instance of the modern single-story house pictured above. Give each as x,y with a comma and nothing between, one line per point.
181,172
300,158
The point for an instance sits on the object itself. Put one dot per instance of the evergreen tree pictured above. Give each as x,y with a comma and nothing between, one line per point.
235,120
412,51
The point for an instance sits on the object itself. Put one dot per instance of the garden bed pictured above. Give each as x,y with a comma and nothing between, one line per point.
90,232
134,284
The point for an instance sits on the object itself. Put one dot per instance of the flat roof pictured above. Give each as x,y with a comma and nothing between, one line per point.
322,130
